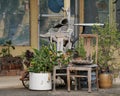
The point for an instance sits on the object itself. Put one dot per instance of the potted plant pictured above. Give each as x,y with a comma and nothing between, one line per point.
6,56
10,65
41,67
108,43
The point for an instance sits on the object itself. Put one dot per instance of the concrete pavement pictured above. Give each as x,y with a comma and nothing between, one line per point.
10,82
12,86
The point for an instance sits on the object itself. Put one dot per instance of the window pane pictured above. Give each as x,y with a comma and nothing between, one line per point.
14,22
96,11
118,13
49,17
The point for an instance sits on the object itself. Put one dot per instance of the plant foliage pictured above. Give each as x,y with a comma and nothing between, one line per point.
43,60
109,41
6,50
47,57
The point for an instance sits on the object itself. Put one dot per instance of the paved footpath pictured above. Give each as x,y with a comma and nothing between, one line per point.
11,86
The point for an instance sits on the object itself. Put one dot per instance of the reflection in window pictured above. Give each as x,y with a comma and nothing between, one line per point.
14,22
51,14
118,13
102,10
96,11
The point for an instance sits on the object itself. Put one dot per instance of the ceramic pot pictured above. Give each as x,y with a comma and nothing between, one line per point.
40,81
105,80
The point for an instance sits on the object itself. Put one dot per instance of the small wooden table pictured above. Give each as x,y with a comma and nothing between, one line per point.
55,69
88,68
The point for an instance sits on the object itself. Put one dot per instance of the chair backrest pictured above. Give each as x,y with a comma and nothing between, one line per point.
90,45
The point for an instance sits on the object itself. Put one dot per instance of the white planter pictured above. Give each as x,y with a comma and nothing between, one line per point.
40,81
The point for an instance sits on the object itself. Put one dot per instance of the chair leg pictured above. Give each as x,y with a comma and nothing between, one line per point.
79,83
97,83
54,79
76,83
89,80
68,78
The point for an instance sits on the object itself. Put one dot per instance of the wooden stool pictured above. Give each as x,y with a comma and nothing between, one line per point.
55,73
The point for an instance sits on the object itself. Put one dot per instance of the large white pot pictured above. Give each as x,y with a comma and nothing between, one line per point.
40,81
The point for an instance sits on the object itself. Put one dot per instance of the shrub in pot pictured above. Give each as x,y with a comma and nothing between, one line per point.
41,66
6,58
108,43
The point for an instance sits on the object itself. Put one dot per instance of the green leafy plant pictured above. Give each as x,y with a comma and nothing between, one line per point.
64,59
108,43
3,52
47,57
43,60
7,60
6,50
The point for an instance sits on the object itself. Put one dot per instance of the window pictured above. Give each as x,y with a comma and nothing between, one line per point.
51,14
118,12
96,11
14,22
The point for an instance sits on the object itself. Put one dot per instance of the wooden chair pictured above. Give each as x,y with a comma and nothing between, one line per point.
90,47
89,40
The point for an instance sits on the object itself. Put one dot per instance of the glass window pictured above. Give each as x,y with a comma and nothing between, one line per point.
14,22
51,14
118,13
96,11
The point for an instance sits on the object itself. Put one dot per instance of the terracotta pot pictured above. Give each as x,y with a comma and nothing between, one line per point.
105,80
